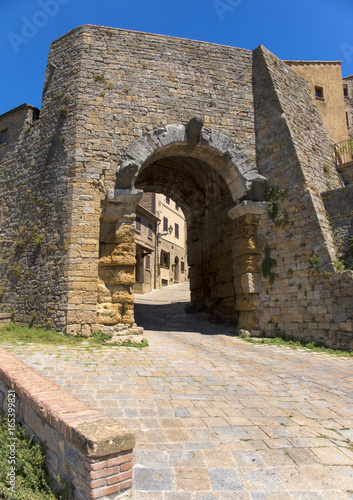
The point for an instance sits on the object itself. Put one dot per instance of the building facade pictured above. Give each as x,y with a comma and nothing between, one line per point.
172,254
325,80
348,98
146,224
160,243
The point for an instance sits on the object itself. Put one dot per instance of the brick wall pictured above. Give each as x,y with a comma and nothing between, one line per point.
89,451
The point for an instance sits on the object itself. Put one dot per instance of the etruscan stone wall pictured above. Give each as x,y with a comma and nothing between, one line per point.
234,137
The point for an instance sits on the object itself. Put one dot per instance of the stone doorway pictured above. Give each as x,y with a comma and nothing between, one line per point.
221,194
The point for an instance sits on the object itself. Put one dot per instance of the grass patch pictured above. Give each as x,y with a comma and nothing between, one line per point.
32,480
14,334
11,333
287,341
130,343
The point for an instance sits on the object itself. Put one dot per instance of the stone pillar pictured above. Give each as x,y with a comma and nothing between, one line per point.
246,263
194,246
117,258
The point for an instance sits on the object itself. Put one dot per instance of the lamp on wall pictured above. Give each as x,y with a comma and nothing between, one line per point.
170,229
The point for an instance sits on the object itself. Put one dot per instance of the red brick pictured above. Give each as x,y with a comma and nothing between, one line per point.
104,473
108,490
119,460
95,466
125,467
119,478
125,485
97,484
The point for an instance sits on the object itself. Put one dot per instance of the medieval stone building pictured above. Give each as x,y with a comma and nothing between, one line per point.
234,136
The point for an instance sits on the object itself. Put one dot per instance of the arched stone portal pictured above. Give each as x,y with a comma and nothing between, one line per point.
218,187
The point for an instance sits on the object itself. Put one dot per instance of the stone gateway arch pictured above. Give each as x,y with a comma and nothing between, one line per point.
217,185
234,136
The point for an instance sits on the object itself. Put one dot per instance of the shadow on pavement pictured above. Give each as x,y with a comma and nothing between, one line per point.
173,318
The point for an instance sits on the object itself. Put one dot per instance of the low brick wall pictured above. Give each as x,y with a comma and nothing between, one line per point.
91,452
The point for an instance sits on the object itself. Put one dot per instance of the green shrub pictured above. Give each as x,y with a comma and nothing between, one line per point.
32,479
314,260
267,265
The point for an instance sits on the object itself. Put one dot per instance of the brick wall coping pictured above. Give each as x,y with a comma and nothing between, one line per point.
89,430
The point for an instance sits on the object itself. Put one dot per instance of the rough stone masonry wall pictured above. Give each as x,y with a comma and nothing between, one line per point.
132,83
90,452
339,206
305,299
35,204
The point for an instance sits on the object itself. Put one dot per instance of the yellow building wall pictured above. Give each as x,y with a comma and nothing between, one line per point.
169,243
328,75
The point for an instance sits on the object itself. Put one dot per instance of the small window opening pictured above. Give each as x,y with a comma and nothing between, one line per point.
165,259
3,136
138,224
165,224
319,92
345,90
148,263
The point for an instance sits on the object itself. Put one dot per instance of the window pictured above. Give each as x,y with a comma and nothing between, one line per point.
176,206
148,262
182,266
150,231
345,90
176,230
319,92
138,224
165,259
167,200
3,136
165,224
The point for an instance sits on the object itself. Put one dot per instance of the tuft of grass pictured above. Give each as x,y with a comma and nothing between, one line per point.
139,345
63,111
287,341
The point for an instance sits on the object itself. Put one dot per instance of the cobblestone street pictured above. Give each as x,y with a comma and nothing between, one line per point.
216,418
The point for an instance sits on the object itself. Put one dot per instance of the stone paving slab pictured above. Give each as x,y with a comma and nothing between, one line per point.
216,418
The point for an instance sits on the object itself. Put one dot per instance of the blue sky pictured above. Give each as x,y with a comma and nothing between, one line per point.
297,29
